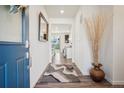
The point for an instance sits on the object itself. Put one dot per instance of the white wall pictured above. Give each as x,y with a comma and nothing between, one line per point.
39,51
118,58
76,39
106,53
10,25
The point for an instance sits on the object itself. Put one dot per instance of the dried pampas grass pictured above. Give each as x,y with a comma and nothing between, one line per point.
95,27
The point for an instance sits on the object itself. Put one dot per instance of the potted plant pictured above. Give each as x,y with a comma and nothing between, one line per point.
95,27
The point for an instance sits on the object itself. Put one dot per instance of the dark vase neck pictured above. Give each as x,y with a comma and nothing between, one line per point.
97,68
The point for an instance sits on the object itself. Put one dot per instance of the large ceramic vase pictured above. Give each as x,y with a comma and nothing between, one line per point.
96,73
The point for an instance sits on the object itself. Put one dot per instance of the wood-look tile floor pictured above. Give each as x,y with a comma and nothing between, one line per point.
86,81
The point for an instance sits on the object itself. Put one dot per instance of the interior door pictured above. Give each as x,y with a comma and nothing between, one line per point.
14,58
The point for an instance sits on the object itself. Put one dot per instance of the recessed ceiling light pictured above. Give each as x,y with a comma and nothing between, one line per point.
61,11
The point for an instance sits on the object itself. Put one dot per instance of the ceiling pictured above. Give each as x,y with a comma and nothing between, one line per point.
53,11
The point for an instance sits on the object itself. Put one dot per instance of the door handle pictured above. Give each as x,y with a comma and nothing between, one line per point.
30,63
27,44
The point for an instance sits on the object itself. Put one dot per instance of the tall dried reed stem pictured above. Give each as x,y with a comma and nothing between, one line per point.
95,28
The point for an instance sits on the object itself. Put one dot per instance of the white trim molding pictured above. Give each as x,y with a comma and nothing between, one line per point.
114,82
118,83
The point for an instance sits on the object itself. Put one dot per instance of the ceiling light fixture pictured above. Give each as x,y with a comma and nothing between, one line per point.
61,11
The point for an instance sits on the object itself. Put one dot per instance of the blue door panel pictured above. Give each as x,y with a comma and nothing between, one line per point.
11,55
14,70
20,72
26,74
3,78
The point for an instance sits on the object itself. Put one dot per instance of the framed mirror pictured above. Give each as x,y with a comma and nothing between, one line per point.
43,28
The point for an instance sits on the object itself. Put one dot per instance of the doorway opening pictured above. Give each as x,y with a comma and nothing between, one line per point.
61,41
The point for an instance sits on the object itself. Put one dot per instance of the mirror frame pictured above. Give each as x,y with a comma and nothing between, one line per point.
45,35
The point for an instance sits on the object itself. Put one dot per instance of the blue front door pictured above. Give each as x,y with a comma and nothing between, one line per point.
14,59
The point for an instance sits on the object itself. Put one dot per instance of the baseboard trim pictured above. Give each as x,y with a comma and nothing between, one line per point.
118,83
114,82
